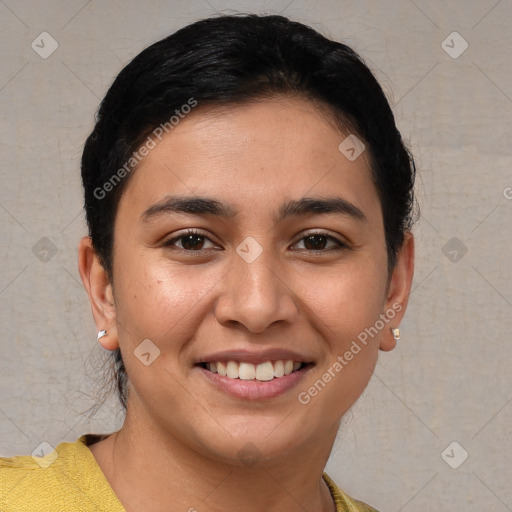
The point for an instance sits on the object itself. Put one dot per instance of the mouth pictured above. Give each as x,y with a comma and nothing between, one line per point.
263,372
255,373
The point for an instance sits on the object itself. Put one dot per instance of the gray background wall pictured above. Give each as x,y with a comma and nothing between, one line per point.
448,380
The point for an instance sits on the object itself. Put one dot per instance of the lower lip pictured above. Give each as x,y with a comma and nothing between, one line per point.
255,389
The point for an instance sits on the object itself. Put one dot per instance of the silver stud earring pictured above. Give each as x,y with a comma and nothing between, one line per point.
101,334
396,333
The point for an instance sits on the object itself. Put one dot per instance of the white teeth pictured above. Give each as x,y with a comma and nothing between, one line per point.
247,371
232,370
278,369
221,369
265,371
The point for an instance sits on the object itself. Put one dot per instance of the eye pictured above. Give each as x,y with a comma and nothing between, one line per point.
318,242
191,240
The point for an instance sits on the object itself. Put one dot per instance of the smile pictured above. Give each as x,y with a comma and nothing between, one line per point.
269,370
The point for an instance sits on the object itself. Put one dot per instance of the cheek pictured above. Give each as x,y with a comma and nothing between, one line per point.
157,303
344,311
155,300
345,306
345,301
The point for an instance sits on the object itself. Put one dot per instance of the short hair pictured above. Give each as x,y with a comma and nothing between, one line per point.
231,60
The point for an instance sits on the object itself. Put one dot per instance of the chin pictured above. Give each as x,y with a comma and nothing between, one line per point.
252,441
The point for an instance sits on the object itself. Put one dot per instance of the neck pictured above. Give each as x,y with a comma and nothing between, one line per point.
150,470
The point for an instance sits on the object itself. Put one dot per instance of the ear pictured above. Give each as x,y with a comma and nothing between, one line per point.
399,290
98,287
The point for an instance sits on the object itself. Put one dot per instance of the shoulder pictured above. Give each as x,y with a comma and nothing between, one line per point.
67,478
345,503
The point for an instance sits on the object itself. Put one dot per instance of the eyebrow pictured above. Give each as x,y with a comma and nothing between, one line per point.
206,206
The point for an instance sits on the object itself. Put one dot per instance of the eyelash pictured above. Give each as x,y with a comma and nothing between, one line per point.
340,244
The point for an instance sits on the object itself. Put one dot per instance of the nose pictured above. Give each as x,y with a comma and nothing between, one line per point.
256,295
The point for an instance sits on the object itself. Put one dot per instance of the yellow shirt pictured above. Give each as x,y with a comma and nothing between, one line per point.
70,480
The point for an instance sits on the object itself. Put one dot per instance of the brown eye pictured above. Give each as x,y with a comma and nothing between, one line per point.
192,242
189,241
319,241
315,242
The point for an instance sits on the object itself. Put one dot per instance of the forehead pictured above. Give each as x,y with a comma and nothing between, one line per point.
254,152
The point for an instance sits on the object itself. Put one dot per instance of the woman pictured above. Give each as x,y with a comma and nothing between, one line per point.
249,205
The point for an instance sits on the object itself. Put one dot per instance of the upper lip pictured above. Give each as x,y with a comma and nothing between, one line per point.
255,356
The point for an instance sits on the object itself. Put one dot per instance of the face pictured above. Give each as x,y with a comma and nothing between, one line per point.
245,242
